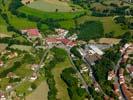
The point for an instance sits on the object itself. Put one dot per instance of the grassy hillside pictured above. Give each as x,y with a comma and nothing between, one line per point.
53,15
108,24
52,5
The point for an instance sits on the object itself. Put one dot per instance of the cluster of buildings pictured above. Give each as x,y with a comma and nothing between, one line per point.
61,38
128,93
126,50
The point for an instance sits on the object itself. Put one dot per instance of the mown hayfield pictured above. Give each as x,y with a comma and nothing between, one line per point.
50,5
40,93
21,47
52,15
108,24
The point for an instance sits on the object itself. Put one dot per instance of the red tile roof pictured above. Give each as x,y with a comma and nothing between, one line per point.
116,87
130,69
53,40
33,32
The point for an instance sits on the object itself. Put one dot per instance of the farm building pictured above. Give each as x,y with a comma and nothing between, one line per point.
31,33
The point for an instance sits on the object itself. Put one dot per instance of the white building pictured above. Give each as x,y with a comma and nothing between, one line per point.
96,50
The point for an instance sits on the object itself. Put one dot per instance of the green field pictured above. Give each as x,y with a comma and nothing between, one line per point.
45,15
21,23
108,24
61,86
3,28
69,24
52,5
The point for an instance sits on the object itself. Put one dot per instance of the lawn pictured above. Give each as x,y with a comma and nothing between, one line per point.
108,24
45,15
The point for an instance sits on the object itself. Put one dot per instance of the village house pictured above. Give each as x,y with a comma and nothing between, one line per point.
116,91
96,87
51,41
11,75
61,32
2,96
129,69
31,33
9,87
111,75
66,42
1,63
33,77
116,88
12,55
34,67
121,77
73,37
83,68
128,94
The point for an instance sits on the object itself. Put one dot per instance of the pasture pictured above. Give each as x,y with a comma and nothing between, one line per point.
40,93
61,86
21,23
52,6
3,29
52,15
